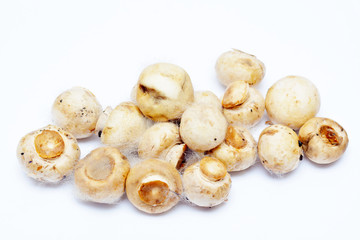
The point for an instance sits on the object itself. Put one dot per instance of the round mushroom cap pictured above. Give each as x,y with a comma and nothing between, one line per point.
77,111
153,186
236,65
323,140
207,98
202,127
292,101
238,151
124,127
206,182
100,176
279,149
248,113
164,91
48,154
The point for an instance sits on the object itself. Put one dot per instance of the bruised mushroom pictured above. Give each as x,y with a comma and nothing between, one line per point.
77,111
100,176
153,186
323,140
48,154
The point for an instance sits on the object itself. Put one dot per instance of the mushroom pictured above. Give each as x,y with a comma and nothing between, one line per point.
175,155
48,154
235,94
238,151
323,140
292,101
100,176
207,98
76,111
279,149
206,182
124,127
245,114
164,91
153,186
202,127
236,65
101,123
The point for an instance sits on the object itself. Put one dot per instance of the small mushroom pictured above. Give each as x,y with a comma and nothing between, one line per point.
100,176
207,98
236,65
77,111
292,101
206,183
124,127
323,140
238,151
202,127
235,94
248,113
153,186
279,149
48,154
101,123
164,91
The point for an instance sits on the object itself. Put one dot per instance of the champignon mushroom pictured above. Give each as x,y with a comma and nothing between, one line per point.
48,154
206,183
101,123
292,101
76,111
124,127
246,114
153,186
207,98
236,65
175,155
323,140
202,127
100,176
238,151
164,91
279,149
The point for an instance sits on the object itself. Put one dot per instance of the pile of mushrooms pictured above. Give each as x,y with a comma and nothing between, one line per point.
172,144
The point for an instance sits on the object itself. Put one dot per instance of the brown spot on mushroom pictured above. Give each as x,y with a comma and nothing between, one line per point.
328,134
154,192
234,138
152,92
213,169
49,144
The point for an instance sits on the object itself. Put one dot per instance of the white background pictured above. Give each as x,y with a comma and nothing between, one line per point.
47,47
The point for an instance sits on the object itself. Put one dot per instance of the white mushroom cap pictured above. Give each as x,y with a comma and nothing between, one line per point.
48,154
124,127
236,65
279,149
248,113
292,101
101,123
77,111
323,140
153,186
158,140
100,176
206,183
207,98
238,151
164,91
202,127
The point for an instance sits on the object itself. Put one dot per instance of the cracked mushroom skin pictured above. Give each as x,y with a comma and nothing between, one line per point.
164,91
202,127
206,182
245,114
279,149
48,154
153,186
100,176
323,140
76,111
238,151
292,101
236,65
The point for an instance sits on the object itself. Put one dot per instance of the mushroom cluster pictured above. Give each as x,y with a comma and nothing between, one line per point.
171,144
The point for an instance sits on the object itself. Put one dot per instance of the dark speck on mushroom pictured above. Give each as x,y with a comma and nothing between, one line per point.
250,110
215,139
30,161
22,153
301,157
99,133
300,143
60,100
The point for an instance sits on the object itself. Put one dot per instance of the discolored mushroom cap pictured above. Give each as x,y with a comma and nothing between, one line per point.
76,111
323,140
100,176
279,149
206,183
48,154
153,186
